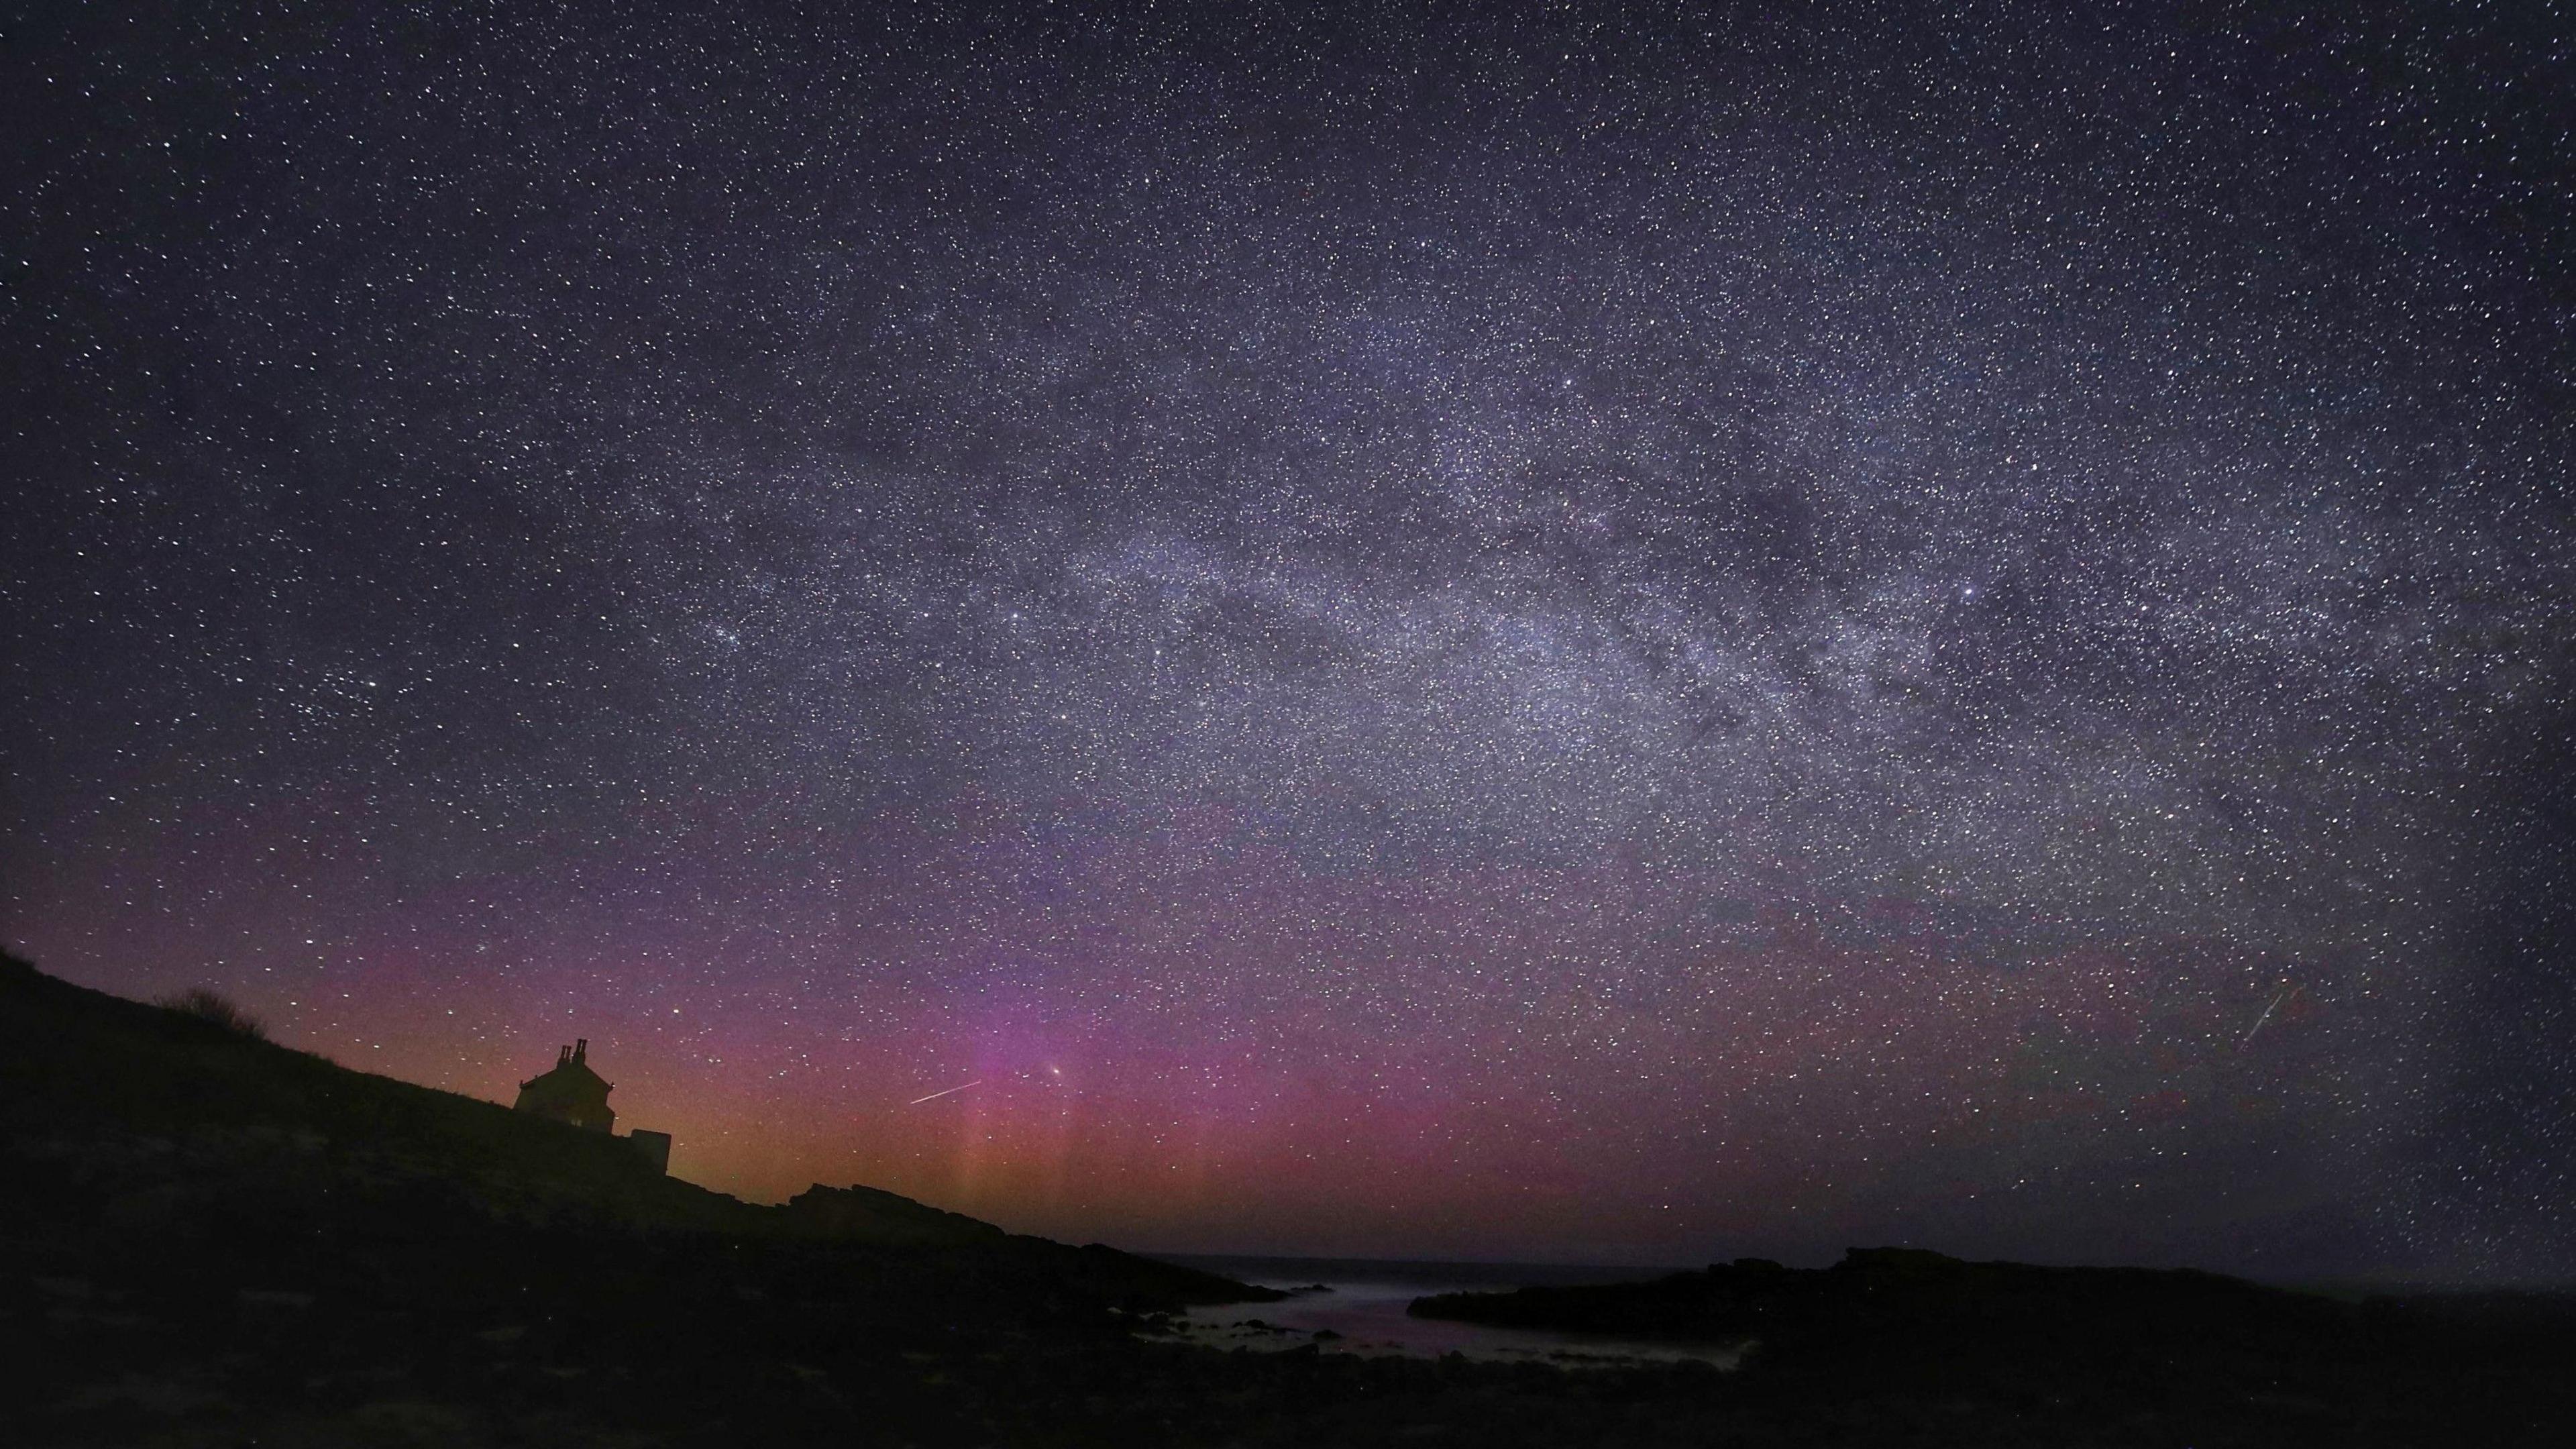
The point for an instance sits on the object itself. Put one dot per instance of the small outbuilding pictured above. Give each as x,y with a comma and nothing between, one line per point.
653,1147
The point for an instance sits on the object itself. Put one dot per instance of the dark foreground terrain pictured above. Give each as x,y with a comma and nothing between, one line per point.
209,1240
2118,1342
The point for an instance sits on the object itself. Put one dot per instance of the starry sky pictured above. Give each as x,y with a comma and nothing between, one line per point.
1544,631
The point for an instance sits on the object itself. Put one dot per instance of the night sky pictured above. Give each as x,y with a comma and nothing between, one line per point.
1528,631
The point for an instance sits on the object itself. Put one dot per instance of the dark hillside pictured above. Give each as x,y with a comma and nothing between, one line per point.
199,1225
108,1090
150,1114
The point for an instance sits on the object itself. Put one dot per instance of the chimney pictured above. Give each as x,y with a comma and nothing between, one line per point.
563,1054
580,1048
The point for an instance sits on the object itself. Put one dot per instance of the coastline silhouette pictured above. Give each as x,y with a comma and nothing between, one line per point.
215,1238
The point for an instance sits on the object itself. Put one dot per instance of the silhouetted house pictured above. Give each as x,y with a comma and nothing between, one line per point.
571,1092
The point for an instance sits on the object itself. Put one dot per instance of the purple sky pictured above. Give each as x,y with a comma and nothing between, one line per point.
1636,635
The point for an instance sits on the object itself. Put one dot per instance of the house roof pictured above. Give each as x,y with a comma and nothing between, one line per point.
568,1077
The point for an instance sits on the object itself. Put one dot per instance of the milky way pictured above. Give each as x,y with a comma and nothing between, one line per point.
1599,635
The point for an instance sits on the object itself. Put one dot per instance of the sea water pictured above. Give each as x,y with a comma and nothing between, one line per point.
1363,1313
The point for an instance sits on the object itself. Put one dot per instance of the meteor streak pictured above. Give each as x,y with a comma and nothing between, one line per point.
2284,994
944,1091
